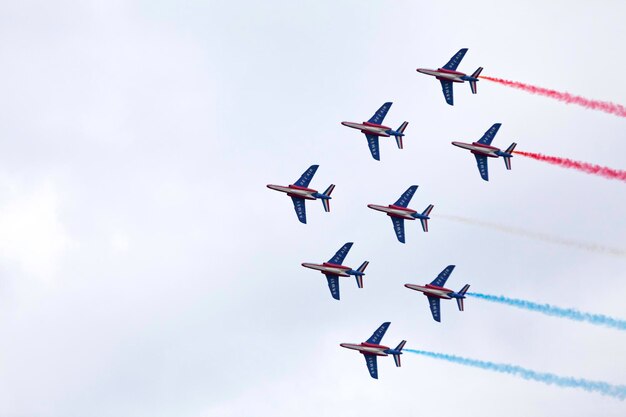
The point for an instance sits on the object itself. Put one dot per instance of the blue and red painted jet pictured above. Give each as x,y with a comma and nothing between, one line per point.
448,75
483,150
299,193
435,291
399,212
372,348
333,270
373,129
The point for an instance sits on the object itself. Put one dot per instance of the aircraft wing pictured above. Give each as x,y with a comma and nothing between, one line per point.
398,227
490,134
306,178
380,114
299,206
341,254
455,60
481,161
441,279
372,142
377,336
405,198
446,87
372,365
333,285
434,308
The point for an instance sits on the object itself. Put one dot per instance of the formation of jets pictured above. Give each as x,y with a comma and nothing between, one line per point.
399,211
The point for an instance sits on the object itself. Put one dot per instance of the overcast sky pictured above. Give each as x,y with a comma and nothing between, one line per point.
146,270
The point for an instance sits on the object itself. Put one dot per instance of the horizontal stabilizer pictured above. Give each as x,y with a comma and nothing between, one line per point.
396,359
359,280
424,224
511,148
476,73
363,266
428,210
459,302
464,289
399,142
473,87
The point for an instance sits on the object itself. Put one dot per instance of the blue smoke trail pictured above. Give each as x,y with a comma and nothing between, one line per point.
567,313
616,391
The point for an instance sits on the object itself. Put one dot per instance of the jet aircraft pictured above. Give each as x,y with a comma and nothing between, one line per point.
333,270
448,75
299,193
373,129
483,150
435,292
399,212
371,349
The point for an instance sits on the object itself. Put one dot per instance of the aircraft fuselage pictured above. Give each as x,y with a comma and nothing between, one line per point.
395,211
329,268
295,191
431,290
479,149
444,74
369,128
367,348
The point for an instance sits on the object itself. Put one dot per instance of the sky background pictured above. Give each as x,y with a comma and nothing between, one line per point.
146,270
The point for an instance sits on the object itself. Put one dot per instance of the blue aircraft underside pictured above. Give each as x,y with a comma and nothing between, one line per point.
306,178
398,227
405,198
372,365
377,336
380,114
341,254
455,60
441,279
333,285
435,308
483,166
372,142
300,207
490,134
447,88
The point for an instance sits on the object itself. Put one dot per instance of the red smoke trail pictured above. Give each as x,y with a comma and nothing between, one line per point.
605,106
614,174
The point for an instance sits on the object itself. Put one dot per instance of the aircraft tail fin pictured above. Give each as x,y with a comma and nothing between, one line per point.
426,213
359,278
459,301
507,159
401,131
326,201
473,85
396,356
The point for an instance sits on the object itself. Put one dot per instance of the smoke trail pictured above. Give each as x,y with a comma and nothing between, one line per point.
567,313
605,106
590,247
604,388
614,174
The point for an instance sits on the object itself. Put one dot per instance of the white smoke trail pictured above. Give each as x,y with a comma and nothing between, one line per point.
591,247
